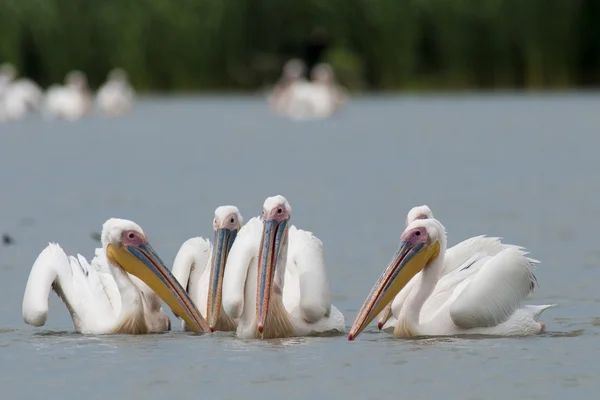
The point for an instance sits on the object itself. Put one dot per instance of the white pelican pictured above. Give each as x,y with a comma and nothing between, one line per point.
280,97
455,257
275,282
17,97
103,297
484,295
322,74
115,97
71,101
199,267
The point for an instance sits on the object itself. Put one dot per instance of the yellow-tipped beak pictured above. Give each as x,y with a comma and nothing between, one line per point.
143,262
407,262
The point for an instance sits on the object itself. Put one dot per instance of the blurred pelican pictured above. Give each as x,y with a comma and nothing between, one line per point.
484,295
322,74
17,96
106,297
199,267
293,72
115,97
275,281
71,101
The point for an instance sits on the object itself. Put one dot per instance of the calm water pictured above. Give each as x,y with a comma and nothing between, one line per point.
523,167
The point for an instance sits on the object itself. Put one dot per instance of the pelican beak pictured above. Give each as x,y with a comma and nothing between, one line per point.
223,241
412,256
384,316
143,262
274,233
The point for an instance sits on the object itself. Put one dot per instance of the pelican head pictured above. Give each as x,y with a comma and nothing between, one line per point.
419,212
127,247
117,75
294,69
415,213
276,216
226,225
7,72
76,79
420,244
322,73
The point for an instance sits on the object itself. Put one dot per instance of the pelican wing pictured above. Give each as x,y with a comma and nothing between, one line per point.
308,263
457,255
190,263
242,253
78,285
100,264
495,292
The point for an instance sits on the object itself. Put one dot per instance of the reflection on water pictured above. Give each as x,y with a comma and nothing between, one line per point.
499,165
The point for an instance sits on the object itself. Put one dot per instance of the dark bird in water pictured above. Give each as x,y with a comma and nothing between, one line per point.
96,236
7,239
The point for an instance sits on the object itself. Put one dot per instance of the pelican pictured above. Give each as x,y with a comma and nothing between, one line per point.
17,96
71,101
293,72
115,97
275,282
454,258
199,267
107,296
322,74
484,295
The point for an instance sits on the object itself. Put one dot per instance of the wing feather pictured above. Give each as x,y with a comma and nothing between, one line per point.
495,292
76,283
306,252
190,263
242,253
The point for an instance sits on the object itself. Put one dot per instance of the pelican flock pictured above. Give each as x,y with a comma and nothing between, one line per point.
267,279
70,101
299,99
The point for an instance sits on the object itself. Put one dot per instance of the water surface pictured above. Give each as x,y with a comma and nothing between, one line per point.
521,167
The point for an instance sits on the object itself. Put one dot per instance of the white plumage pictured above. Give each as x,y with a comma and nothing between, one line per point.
70,101
17,97
116,96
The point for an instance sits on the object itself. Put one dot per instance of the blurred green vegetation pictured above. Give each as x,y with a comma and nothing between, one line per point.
189,45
